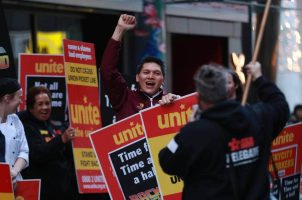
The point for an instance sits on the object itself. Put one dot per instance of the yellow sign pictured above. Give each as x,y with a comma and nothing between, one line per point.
86,159
81,74
164,179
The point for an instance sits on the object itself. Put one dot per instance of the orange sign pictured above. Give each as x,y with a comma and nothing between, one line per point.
48,71
125,160
161,124
287,155
84,112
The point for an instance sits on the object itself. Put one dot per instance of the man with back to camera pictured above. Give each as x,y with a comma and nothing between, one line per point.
224,154
150,77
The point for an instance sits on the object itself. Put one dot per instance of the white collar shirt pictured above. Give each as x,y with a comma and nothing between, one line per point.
15,141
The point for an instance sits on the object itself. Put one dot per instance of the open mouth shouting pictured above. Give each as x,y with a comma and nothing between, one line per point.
150,78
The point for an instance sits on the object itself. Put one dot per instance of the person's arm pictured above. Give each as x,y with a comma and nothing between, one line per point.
172,158
114,82
273,100
17,167
180,153
125,23
23,149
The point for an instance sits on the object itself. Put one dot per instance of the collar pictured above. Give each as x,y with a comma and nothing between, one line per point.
156,95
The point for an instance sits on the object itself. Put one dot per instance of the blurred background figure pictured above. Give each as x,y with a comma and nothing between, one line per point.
234,85
297,115
13,144
50,148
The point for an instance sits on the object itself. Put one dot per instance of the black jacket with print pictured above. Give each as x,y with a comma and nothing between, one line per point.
223,132
50,159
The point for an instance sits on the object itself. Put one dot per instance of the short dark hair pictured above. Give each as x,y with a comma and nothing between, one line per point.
211,83
151,59
33,92
297,107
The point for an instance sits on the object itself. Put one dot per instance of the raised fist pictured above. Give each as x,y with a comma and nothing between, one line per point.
126,22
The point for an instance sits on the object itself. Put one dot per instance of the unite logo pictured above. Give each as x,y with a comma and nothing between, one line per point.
174,119
128,134
85,113
4,59
49,67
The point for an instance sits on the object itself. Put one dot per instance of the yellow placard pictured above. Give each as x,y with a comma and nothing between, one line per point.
81,74
165,180
86,159
7,196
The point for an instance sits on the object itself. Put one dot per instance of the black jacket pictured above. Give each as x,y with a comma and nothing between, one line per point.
229,130
50,159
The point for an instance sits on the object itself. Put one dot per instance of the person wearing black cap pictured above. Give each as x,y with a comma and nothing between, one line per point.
13,143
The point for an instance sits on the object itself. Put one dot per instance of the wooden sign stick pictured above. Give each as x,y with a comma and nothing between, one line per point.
256,51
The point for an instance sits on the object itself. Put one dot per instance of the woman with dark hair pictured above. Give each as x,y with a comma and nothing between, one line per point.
48,147
235,88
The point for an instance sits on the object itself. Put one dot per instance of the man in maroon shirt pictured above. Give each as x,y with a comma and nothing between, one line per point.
150,77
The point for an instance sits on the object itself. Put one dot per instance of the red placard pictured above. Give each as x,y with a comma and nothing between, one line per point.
84,112
79,52
43,70
6,187
125,160
28,189
161,123
287,155
287,151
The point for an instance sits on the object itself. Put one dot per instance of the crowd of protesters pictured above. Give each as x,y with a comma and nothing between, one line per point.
201,154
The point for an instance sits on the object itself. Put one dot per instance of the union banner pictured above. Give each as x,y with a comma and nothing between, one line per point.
125,160
287,157
84,112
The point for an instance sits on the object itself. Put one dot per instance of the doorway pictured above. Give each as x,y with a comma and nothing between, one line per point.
191,51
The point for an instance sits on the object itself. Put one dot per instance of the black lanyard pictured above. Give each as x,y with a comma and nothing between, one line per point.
2,147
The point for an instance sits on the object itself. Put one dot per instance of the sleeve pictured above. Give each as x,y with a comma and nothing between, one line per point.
114,82
24,150
273,104
40,151
171,158
181,152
